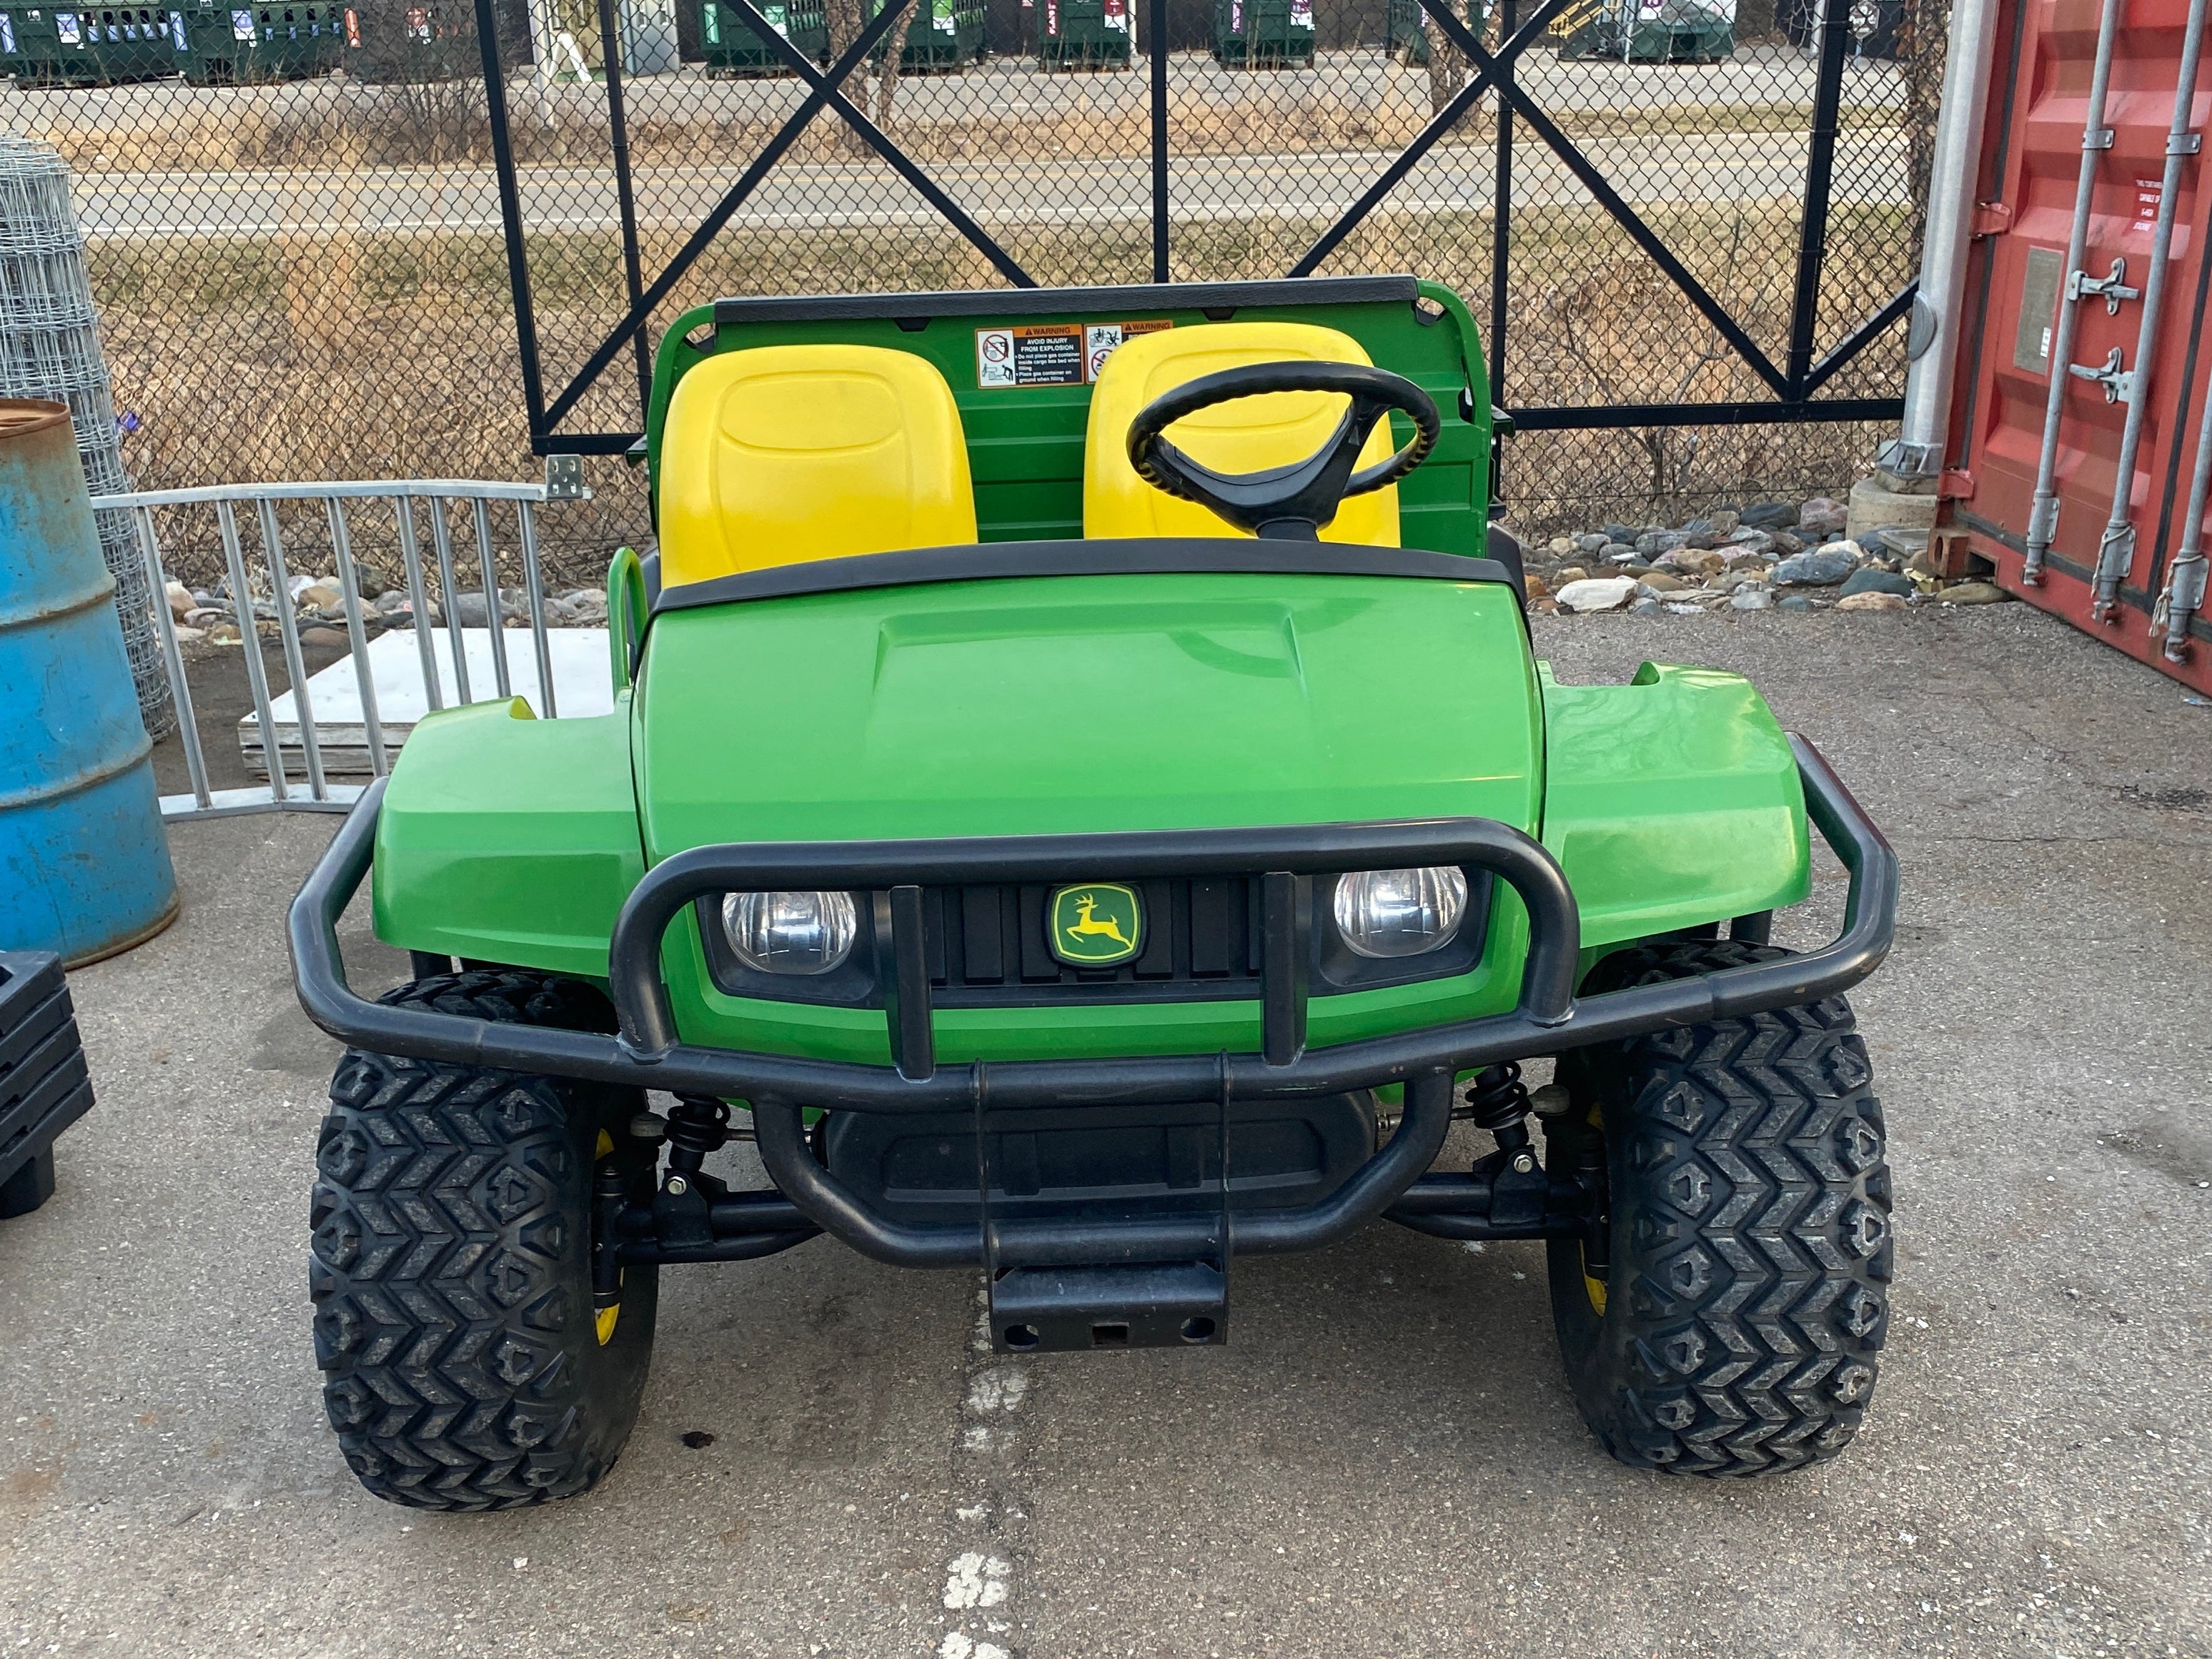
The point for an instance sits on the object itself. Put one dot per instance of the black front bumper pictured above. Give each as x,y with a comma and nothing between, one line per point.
1548,1019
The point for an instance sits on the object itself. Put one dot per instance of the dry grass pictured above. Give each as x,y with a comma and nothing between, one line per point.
393,356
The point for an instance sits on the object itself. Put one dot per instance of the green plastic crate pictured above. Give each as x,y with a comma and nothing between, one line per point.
1084,34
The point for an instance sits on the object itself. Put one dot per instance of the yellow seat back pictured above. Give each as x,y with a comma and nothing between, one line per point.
1245,436
785,453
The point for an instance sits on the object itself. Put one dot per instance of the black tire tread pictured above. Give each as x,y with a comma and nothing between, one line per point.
1751,1258
445,1261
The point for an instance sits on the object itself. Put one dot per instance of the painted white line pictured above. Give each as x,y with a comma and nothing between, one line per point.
979,1580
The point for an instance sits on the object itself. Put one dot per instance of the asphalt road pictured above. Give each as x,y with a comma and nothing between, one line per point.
1668,171
1385,1462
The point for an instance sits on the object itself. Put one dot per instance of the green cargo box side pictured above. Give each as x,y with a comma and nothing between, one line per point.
730,46
1263,34
1084,34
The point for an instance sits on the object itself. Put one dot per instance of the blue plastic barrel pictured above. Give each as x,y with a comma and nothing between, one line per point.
84,868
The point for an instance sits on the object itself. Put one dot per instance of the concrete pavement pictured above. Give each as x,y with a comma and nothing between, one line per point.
1385,1461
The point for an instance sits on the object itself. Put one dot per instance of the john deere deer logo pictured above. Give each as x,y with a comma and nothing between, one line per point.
1097,925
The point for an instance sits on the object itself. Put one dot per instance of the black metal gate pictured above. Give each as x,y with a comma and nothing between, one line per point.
1657,240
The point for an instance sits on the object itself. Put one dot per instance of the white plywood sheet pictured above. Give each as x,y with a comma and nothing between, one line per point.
581,685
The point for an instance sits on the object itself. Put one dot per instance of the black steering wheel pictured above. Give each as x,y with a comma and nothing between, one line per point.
1289,503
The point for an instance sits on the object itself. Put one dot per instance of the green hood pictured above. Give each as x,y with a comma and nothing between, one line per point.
1086,703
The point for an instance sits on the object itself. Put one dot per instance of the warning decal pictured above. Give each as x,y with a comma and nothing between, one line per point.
1099,340
1051,353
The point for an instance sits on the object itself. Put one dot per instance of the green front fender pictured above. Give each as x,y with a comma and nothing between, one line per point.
509,839
1670,802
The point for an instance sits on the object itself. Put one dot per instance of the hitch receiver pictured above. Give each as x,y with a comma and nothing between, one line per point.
1175,1304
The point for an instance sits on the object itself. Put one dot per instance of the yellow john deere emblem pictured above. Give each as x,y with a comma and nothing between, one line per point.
1097,925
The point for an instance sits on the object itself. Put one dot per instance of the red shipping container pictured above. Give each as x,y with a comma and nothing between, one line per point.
2019,289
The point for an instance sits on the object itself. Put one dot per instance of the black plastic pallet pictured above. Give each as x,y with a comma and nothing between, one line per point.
44,1085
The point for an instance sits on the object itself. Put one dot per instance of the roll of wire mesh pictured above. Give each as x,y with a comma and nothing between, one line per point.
50,348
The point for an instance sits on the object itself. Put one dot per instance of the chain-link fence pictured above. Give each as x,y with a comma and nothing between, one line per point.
297,238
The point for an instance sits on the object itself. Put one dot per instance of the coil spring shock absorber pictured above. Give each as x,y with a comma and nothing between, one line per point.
1498,1101
697,1127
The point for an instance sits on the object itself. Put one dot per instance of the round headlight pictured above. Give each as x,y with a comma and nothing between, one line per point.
1400,913
790,932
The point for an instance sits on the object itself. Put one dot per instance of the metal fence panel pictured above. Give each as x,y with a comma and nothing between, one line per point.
1655,207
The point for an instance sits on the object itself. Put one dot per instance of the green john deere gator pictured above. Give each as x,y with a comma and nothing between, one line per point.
1080,798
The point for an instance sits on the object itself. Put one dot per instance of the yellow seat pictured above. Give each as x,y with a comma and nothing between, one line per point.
1248,436
782,454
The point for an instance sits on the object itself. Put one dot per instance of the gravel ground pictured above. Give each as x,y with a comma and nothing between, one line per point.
1385,1462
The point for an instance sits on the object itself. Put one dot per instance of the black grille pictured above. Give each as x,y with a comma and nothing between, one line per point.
988,947
989,937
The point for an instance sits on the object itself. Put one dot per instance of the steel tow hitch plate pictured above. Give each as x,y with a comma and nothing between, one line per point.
1175,1304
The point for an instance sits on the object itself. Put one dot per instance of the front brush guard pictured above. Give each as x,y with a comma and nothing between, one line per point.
1547,1018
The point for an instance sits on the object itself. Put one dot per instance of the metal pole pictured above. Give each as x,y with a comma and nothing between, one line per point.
1500,235
2116,549
1156,27
1819,181
625,198
510,214
1921,446
2096,139
2184,578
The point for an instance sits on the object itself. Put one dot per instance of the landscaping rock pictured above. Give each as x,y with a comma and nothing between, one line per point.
1617,550
1573,573
1973,593
1728,582
1870,581
187,635
1538,587
468,607
1700,532
1794,602
1724,521
1769,515
1823,568
1658,581
323,596
1652,543
1679,609
1693,562
1871,600
1821,517
1606,594
181,599
1644,608
1621,533
1559,547
1591,546
1748,598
